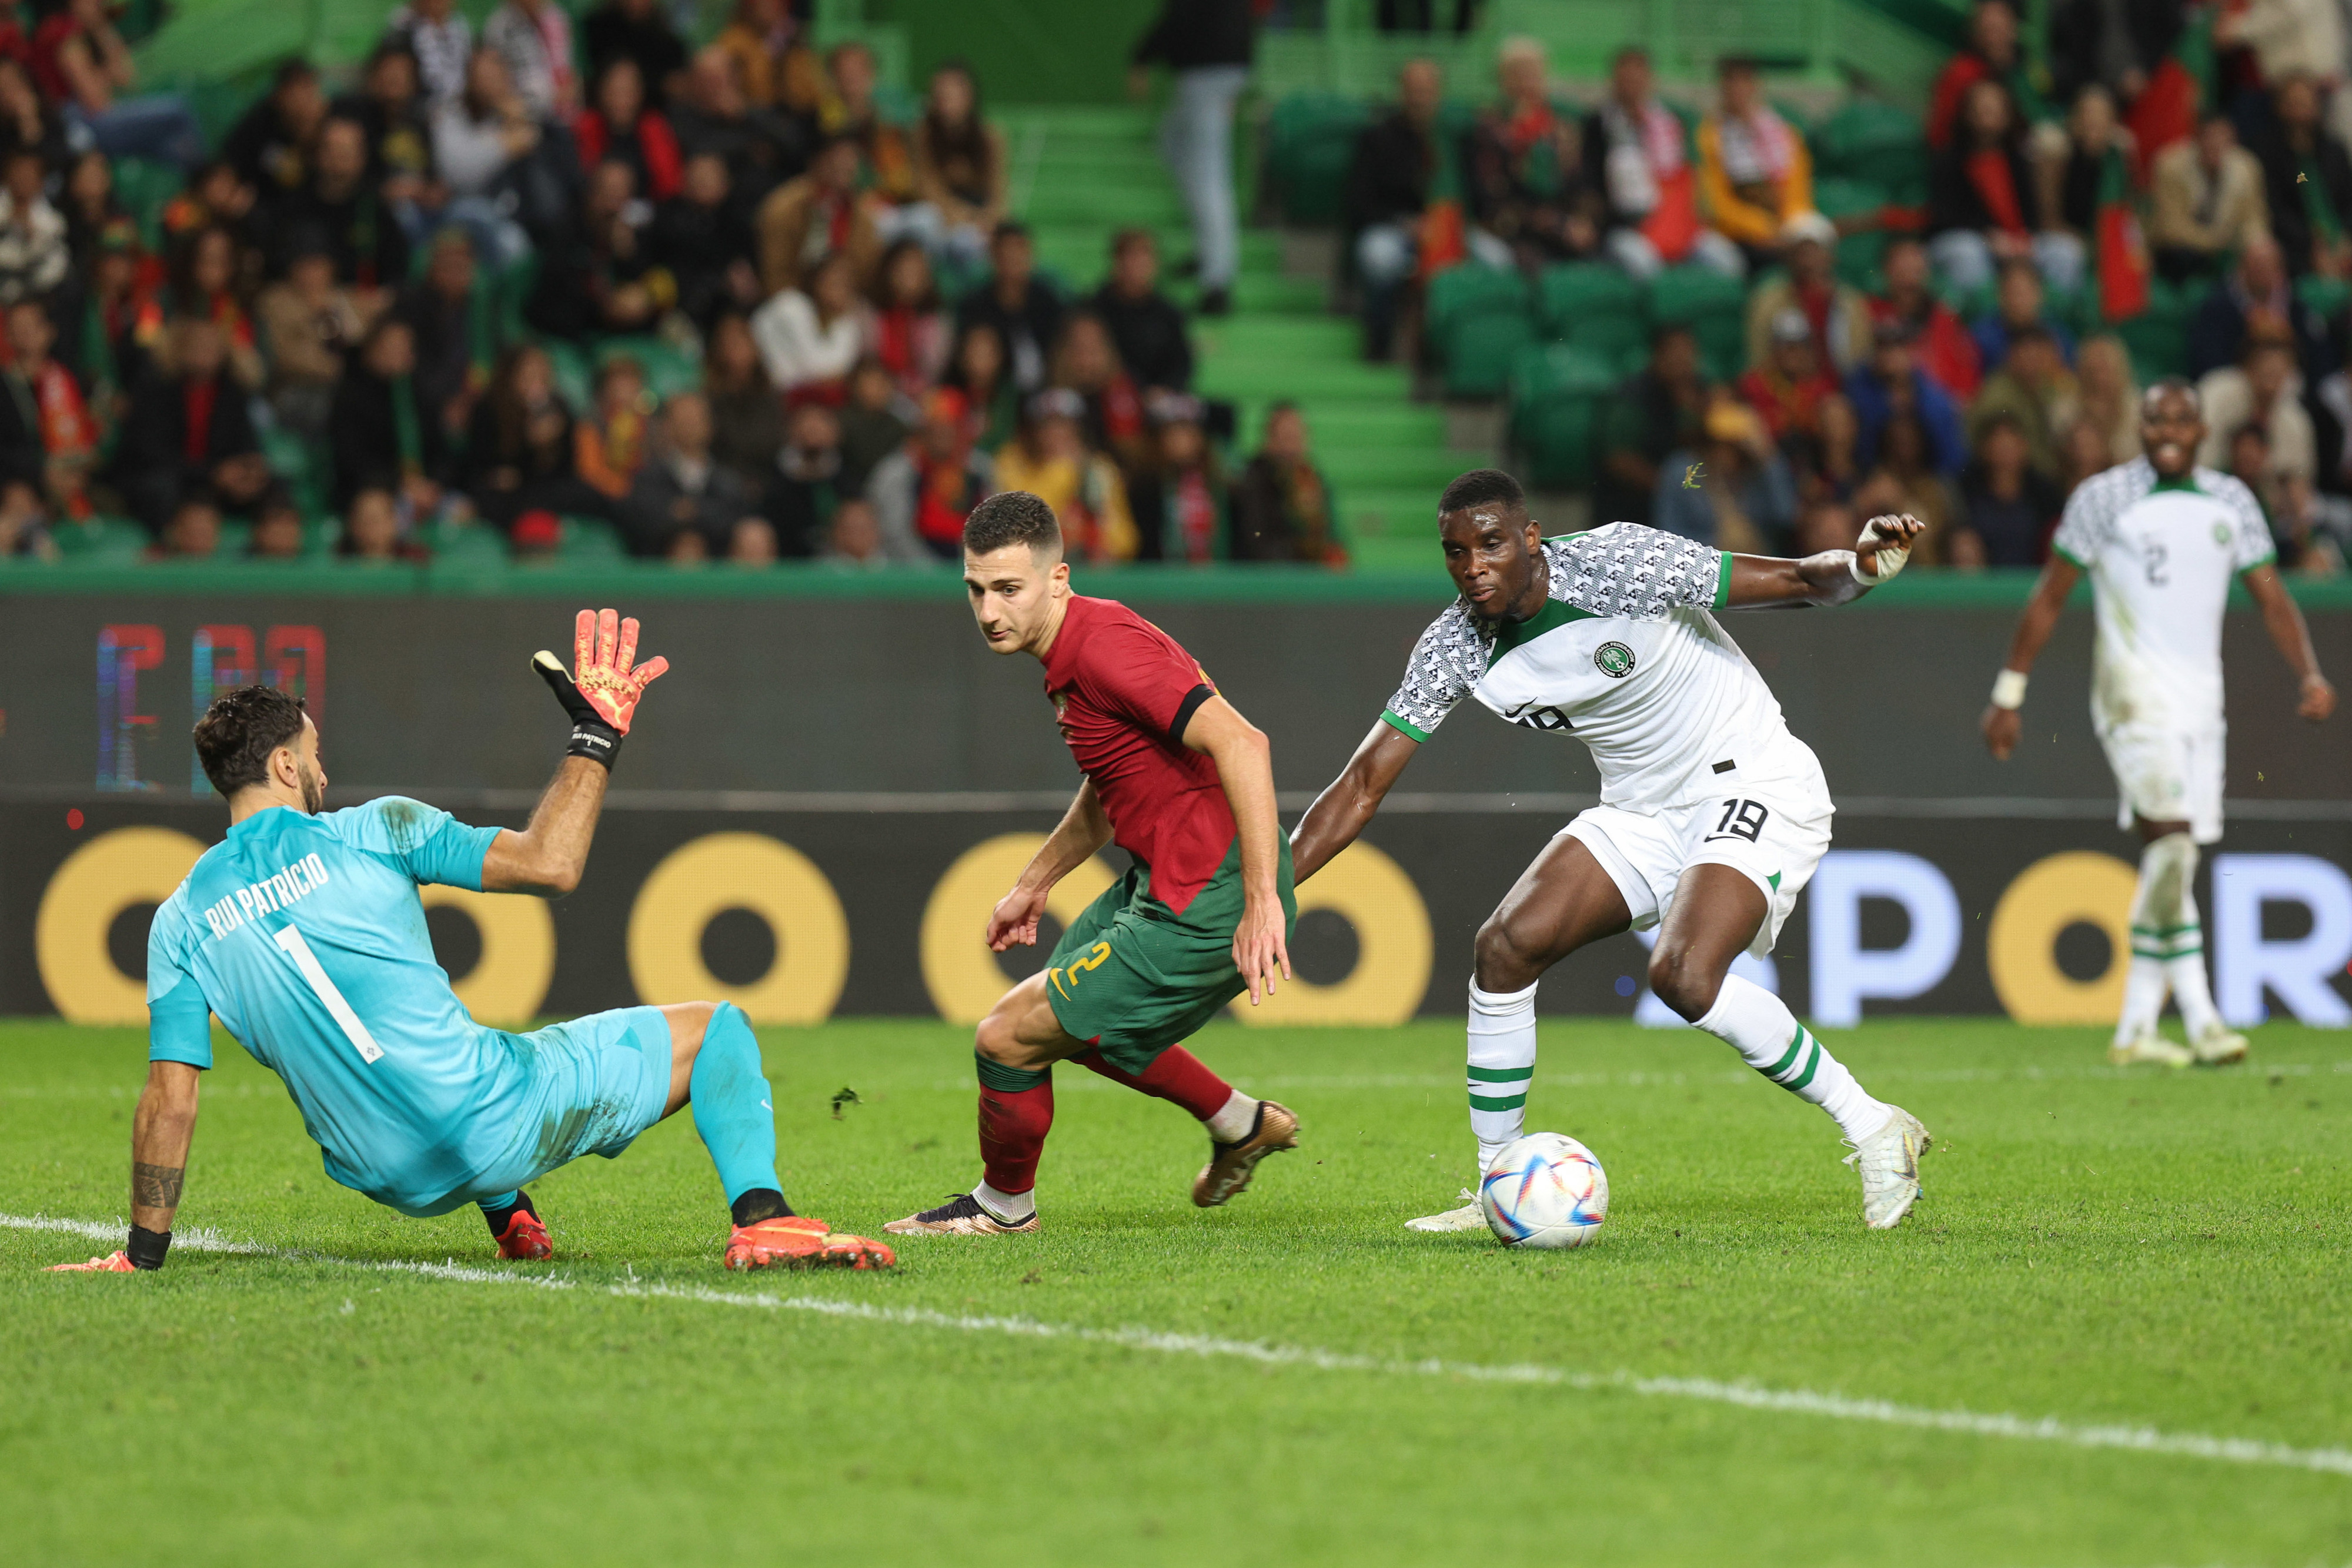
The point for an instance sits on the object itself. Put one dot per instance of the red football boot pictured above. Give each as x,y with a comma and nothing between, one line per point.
797,1241
525,1240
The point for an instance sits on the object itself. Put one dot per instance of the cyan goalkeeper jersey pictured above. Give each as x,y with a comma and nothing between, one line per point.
304,935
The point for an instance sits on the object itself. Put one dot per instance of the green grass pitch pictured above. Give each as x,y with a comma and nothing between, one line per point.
2101,1248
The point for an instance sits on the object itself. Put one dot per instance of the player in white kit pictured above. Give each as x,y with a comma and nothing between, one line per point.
2161,539
1712,817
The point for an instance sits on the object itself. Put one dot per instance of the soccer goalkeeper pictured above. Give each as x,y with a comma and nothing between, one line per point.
303,932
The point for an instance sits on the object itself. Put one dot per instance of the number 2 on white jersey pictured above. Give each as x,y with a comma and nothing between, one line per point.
324,989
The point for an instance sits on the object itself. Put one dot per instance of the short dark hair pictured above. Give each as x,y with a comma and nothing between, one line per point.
1479,486
1129,239
1012,517
238,732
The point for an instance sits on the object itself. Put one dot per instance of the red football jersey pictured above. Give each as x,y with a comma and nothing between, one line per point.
1122,688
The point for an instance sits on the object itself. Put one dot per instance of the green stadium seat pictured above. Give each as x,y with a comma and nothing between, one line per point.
1310,138
590,541
1713,307
2159,336
669,367
465,543
1478,317
2329,296
143,188
1880,142
100,539
1556,392
1593,306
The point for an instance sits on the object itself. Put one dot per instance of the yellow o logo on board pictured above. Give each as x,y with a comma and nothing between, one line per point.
1373,894
97,882
741,871
509,980
2020,945
958,970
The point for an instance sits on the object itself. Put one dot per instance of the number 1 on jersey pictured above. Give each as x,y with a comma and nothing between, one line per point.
324,989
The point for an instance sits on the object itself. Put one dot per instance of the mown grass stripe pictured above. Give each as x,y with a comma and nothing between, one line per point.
1783,1401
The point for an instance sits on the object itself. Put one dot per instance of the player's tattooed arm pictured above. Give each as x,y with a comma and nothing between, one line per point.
1348,803
2000,725
1084,830
2316,697
1831,578
161,1130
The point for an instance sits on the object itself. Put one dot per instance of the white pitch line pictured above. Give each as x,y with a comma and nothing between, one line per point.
1802,1402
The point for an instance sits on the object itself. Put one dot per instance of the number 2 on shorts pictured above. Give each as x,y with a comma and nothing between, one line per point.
324,989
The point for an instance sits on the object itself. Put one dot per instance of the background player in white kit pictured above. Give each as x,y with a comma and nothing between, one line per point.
2161,539
1712,817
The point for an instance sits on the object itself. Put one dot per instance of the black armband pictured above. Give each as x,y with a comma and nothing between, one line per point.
147,1246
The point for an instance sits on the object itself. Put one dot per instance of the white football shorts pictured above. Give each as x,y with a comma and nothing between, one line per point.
2168,774
1772,832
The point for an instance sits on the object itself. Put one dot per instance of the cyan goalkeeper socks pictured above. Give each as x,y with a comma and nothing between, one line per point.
733,1109
1502,1032
1767,1037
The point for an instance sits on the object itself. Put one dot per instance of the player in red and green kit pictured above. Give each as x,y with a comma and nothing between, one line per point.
1185,784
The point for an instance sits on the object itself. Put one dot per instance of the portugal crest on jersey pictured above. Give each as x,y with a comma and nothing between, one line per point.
1613,660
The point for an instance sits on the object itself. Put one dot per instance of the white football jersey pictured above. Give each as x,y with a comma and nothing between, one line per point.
1624,657
2160,555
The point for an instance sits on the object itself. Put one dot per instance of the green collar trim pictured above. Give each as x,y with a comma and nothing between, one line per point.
2180,482
1556,614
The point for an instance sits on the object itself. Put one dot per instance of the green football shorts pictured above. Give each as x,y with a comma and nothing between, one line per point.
1134,976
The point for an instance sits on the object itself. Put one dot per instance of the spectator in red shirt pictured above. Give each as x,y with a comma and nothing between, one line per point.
1984,204
1786,391
1941,344
1991,54
617,125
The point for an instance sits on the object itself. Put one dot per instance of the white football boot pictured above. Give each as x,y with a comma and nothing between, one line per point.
1889,1161
1469,1216
2153,1048
2219,1046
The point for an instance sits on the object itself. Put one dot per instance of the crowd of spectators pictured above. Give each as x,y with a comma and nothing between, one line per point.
1978,374
368,298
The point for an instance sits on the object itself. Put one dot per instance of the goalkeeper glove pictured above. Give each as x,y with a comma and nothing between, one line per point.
601,699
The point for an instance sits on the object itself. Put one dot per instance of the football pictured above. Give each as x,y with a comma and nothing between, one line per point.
1545,1191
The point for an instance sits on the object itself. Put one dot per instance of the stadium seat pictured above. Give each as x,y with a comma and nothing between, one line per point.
1592,306
144,188
1310,137
1478,317
2159,336
590,541
1879,142
100,539
1713,307
2329,296
465,543
1556,389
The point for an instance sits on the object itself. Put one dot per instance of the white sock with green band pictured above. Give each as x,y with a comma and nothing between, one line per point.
1502,1065
2167,940
1767,1037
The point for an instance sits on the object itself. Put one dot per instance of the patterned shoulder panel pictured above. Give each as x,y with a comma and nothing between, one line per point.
2088,523
1448,661
1627,570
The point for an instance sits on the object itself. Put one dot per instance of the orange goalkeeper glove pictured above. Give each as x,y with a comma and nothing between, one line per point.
601,699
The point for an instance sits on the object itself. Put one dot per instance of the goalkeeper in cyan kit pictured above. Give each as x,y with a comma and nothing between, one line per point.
303,932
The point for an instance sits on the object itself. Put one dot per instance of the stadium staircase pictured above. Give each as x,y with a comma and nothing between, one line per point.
1079,174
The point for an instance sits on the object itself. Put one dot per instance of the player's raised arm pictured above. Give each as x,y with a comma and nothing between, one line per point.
1348,803
1999,723
549,855
1832,577
1244,762
2283,619
1081,834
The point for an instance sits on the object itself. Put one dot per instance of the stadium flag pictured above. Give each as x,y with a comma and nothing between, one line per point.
2166,110
2123,249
